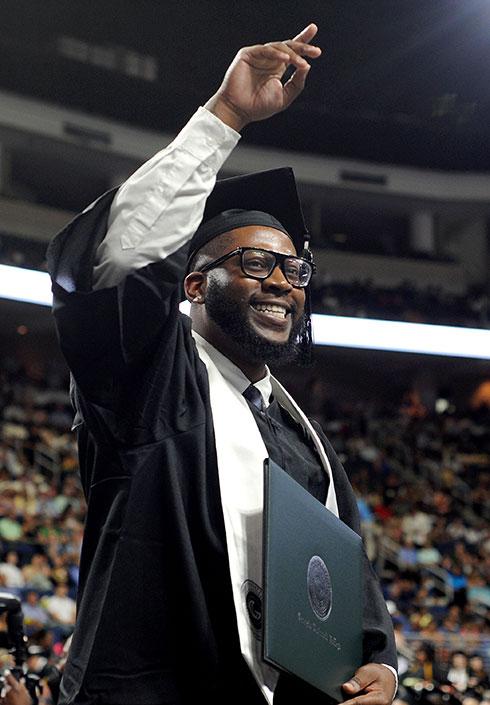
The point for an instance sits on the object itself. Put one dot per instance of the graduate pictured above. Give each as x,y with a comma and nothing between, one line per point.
175,415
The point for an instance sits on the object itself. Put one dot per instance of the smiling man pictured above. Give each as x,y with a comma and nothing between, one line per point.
175,416
254,305
246,281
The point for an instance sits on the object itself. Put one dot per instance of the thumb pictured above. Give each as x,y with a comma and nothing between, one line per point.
353,685
294,86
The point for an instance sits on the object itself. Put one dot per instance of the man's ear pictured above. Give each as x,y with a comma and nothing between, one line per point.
195,287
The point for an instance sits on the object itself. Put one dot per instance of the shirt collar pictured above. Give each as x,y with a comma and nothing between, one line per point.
233,374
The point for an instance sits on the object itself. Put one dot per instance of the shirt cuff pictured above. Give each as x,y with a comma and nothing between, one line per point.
206,134
395,676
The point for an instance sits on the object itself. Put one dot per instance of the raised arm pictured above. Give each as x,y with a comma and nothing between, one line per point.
157,210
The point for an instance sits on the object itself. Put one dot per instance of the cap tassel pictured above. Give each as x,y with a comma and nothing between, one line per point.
305,337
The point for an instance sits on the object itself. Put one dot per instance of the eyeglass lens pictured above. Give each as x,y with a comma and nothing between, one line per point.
257,263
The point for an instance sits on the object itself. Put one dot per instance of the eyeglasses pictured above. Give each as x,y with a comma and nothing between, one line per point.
259,264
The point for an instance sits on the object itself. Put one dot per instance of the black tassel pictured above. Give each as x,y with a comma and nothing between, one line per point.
305,337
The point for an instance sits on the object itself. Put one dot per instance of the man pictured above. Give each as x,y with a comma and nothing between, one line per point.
171,451
10,571
60,606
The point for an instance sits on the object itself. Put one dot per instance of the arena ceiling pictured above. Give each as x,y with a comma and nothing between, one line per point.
400,81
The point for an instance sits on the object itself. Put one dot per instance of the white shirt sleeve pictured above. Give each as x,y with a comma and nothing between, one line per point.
395,676
158,209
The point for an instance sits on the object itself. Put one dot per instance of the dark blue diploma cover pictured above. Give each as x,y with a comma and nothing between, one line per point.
312,586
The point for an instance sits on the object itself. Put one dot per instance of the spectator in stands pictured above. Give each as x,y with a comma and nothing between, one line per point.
11,572
408,554
10,527
416,526
60,607
402,591
424,671
428,555
35,616
456,529
37,574
458,674
478,589
429,629
457,580
478,677
43,639
452,620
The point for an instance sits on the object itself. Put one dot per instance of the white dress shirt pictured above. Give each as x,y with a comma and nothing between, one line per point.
159,208
233,374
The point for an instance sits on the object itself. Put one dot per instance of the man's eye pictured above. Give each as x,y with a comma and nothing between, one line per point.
292,269
257,263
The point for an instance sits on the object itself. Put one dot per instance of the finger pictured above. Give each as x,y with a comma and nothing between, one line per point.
294,86
273,53
293,57
299,48
306,34
304,49
12,681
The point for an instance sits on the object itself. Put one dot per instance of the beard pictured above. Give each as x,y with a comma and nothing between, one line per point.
230,316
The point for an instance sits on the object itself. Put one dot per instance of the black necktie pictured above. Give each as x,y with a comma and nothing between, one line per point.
253,395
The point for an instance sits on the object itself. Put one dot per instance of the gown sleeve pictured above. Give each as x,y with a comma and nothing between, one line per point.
117,267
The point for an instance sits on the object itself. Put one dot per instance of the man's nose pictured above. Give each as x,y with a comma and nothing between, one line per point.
277,280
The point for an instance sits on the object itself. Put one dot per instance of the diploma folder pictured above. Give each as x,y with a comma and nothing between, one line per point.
312,586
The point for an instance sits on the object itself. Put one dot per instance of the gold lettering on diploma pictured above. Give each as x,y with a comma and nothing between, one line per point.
326,636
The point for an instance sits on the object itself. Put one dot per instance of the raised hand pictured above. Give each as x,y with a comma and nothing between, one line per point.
252,89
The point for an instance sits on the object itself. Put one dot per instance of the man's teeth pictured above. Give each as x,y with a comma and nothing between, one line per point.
274,309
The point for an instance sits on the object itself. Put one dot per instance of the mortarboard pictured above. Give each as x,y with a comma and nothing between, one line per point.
272,192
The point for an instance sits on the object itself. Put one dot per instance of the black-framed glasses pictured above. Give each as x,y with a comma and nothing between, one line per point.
259,264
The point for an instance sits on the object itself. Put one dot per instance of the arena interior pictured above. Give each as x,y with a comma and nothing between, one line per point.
390,146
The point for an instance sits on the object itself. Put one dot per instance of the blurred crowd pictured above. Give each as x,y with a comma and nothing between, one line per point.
423,486
405,302
42,508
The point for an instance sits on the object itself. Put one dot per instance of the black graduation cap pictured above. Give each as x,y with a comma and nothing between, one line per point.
272,192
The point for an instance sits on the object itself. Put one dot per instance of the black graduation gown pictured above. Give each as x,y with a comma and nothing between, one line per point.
156,621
